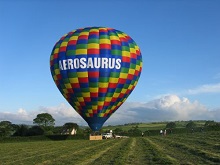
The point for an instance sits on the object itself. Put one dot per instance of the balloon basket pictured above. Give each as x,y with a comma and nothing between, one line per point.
95,136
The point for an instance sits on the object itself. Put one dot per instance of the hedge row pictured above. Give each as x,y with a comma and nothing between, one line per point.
41,138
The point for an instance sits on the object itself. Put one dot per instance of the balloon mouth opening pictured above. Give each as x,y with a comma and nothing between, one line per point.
95,123
95,127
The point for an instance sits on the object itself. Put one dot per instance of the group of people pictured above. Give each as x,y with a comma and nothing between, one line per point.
163,133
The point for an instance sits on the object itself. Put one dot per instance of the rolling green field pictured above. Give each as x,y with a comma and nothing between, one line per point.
153,126
194,148
141,126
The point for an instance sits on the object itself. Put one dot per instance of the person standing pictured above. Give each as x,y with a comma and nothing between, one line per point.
165,132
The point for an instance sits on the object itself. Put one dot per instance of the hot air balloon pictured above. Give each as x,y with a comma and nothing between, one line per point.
96,69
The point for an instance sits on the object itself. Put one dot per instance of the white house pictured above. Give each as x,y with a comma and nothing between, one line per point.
69,131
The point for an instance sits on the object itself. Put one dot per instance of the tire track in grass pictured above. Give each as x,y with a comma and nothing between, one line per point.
155,154
192,149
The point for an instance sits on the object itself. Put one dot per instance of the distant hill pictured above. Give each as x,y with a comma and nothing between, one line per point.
153,125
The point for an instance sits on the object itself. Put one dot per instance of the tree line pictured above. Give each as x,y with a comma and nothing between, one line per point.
171,127
44,124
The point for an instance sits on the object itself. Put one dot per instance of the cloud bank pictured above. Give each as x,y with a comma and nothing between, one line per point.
166,108
207,88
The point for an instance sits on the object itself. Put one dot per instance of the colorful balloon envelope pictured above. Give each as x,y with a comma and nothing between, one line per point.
96,69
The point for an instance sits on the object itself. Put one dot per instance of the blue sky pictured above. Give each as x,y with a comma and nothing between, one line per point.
179,42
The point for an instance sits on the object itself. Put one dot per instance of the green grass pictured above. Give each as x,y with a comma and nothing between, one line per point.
191,148
141,126
153,126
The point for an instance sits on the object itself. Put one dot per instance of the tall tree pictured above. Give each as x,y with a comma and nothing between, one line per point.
191,125
6,128
44,119
171,125
118,131
71,125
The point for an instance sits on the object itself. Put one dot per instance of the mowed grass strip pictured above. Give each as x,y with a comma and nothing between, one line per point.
44,151
113,154
200,143
207,156
192,148
76,156
25,149
155,154
182,156
18,147
137,154
28,151
207,136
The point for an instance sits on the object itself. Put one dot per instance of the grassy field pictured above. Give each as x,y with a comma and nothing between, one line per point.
153,126
195,148
141,126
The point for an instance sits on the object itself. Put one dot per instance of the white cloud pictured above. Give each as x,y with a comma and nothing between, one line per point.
61,113
207,88
21,116
166,108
